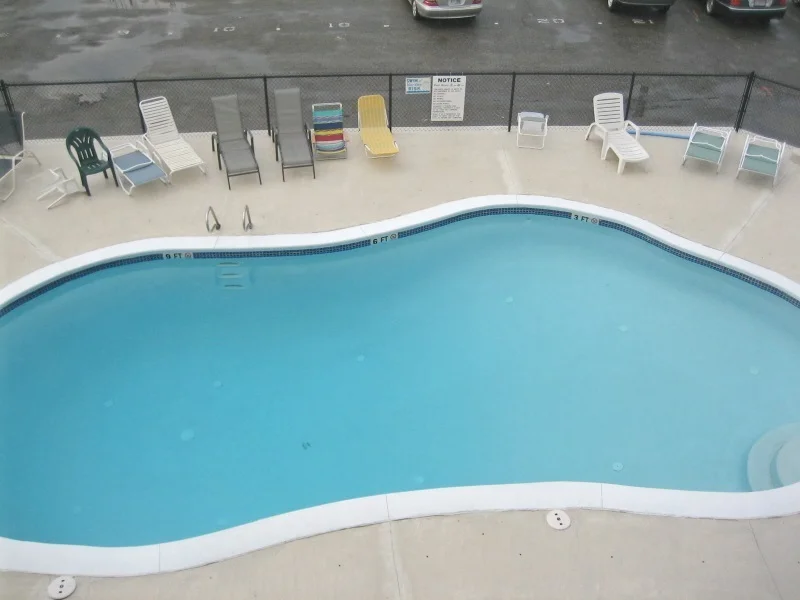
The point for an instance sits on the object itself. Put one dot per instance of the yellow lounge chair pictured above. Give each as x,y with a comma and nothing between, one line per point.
374,128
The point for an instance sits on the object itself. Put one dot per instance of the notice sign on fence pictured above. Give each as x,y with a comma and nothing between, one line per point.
418,85
447,97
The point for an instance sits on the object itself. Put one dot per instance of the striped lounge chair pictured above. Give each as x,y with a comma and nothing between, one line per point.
328,122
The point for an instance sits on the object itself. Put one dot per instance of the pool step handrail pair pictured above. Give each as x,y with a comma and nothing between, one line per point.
213,224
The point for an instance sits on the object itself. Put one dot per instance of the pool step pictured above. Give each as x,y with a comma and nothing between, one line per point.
233,276
774,460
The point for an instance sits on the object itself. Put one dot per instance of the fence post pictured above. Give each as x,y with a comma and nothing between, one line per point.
390,101
511,101
745,100
266,104
138,99
630,96
6,96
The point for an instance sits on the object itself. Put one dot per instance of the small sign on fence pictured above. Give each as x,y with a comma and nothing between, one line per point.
447,99
418,85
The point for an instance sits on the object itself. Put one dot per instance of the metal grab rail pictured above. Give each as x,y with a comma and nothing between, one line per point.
210,214
247,222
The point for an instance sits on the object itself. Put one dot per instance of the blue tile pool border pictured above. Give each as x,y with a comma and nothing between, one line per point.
403,233
702,261
51,285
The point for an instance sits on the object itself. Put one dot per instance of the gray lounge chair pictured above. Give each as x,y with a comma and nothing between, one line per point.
231,139
292,136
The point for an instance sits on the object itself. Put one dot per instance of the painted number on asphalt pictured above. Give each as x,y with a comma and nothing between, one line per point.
644,21
229,28
550,21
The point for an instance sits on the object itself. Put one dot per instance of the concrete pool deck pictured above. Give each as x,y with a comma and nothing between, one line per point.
511,555
746,218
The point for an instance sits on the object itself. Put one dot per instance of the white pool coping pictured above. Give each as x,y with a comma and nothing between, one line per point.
42,558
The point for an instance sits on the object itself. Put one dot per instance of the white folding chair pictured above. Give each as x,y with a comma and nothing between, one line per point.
534,125
762,155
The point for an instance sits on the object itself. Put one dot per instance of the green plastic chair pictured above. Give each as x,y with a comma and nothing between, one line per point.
82,150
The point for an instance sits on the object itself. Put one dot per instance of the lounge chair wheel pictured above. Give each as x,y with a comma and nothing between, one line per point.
613,5
711,7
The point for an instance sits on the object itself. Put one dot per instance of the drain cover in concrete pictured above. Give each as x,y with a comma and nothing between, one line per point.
61,587
558,519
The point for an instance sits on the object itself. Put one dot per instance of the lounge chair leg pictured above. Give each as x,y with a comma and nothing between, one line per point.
259,177
313,170
114,175
105,173
283,173
620,167
85,183
33,156
589,132
229,181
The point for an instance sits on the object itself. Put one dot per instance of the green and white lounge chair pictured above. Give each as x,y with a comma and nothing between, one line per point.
707,144
762,155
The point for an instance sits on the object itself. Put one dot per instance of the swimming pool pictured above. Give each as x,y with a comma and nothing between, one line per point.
166,399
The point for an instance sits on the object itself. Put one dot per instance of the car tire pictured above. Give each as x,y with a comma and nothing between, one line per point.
663,9
711,7
613,5
414,13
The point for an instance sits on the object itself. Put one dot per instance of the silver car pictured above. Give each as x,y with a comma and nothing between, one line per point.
445,9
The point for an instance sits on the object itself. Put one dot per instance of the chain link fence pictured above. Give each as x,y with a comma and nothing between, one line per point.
491,99
773,110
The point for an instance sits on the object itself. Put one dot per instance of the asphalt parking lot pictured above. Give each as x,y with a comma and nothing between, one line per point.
50,40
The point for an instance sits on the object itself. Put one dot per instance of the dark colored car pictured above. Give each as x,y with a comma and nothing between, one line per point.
759,9
660,5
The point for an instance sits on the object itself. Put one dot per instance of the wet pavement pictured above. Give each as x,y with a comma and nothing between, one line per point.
47,40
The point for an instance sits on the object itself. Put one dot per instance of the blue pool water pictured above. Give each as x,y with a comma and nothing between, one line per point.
149,402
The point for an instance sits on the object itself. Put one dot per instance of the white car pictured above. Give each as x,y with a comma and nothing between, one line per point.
445,9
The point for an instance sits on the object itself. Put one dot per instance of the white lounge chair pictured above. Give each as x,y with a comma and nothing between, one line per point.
708,144
612,127
163,139
762,155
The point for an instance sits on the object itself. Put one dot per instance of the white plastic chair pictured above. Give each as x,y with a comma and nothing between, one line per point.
534,125
62,184
164,140
611,125
762,155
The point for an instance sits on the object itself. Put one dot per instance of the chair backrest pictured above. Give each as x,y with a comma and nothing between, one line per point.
609,110
158,120
228,118
12,133
371,112
288,111
80,145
